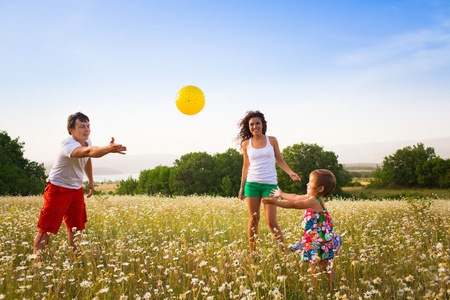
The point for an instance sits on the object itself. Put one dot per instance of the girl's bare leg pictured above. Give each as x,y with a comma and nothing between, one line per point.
325,266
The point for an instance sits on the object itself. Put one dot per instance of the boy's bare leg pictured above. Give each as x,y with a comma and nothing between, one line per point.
40,242
39,245
72,236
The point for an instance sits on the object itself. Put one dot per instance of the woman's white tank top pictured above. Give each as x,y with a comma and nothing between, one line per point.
262,164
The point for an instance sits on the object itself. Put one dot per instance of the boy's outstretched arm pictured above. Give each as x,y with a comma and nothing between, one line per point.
95,151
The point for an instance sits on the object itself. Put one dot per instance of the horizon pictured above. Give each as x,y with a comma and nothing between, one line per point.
324,72
348,155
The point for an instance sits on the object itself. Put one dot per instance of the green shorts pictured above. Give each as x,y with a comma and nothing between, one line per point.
254,189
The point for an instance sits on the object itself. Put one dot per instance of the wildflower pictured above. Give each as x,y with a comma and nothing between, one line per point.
103,290
410,278
86,284
214,269
276,294
377,280
147,296
439,246
121,279
202,263
31,256
282,278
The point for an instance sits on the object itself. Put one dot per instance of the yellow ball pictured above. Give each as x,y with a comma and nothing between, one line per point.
190,100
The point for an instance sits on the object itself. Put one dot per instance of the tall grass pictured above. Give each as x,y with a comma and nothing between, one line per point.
139,247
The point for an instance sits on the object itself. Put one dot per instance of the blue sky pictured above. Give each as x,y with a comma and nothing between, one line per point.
325,72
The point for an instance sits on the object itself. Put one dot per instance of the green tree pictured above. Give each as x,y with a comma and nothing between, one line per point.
18,175
434,173
192,174
399,169
128,187
227,173
155,181
303,159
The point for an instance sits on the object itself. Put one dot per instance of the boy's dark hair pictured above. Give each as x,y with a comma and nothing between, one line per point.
72,119
244,133
326,179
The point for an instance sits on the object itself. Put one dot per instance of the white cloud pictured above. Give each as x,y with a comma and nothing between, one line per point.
410,46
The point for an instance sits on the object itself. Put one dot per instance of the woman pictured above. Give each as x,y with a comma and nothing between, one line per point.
259,175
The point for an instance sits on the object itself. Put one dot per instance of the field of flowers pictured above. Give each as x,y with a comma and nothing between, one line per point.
140,247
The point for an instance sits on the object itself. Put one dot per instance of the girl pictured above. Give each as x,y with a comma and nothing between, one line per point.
318,244
259,175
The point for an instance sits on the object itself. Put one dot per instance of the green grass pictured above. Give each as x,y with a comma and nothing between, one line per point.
195,247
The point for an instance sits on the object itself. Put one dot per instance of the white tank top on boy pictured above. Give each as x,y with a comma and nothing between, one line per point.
68,171
262,164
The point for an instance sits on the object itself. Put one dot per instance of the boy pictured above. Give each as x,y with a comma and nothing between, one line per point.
63,195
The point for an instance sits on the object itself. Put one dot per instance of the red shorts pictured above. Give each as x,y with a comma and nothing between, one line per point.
59,203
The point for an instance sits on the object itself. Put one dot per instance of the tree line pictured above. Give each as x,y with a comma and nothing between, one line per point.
18,175
220,174
415,166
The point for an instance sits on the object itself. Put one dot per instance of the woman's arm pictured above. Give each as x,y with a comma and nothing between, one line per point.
245,166
280,161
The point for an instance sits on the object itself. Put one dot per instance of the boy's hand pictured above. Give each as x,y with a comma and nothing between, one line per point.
117,148
90,189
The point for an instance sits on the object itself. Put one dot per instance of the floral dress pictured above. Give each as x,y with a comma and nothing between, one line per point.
317,239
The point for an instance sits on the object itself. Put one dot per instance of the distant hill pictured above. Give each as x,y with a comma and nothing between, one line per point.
376,152
360,167
120,164
354,156
98,170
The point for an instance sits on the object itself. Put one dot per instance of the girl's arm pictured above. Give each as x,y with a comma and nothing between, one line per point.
296,204
280,161
291,197
245,166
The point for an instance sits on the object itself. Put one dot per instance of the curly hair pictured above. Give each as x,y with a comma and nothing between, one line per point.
71,120
244,132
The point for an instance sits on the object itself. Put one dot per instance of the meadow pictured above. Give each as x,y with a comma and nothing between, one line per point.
142,247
